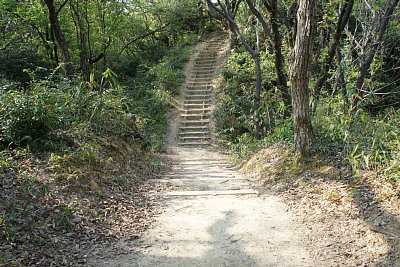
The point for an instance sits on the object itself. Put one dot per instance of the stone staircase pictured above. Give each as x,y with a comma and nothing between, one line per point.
196,167
195,118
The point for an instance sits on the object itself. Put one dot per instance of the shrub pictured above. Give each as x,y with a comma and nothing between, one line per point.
370,142
28,117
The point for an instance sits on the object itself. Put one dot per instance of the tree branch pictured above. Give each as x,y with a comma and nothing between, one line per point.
258,15
134,40
61,7
235,27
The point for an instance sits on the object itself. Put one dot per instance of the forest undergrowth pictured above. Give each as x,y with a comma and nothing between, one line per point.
75,156
350,185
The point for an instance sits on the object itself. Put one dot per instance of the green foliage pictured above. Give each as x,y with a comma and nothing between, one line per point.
27,117
151,93
64,217
370,142
39,114
234,112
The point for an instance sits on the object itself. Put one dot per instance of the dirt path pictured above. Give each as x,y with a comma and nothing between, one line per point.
222,223
214,217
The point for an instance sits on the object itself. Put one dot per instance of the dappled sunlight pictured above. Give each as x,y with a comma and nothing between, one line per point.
344,214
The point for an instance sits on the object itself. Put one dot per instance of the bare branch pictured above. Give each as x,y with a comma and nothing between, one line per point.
134,40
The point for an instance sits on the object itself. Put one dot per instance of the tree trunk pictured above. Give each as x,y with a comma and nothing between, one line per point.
275,37
279,59
83,42
341,82
55,24
200,10
299,78
341,24
55,48
255,54
257,98
232,37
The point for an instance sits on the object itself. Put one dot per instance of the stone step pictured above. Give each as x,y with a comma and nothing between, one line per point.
194,138
195,106
196,116
185,134
199,83
198,92
201,65
198,87
196,144
204,79
213,47
200,77
203,68
204,58
208,54
193,117
195,122
198,97
202,74
193,128
213,193
197,101
205,61
206,71
214,44
197,110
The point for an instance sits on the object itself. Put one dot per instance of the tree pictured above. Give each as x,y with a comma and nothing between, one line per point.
371,46
55,24
230,7
299,78
255,54
340,26
273,33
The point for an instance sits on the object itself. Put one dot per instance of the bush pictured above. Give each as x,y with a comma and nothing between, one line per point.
151,93
29,117
49,110
234,113
18,59
370,142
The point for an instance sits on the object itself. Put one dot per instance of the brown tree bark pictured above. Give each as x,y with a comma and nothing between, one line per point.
55,24
299,78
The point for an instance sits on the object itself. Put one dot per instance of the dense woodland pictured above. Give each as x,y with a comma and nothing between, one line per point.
85,87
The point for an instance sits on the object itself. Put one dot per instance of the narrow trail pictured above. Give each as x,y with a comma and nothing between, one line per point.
214,217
